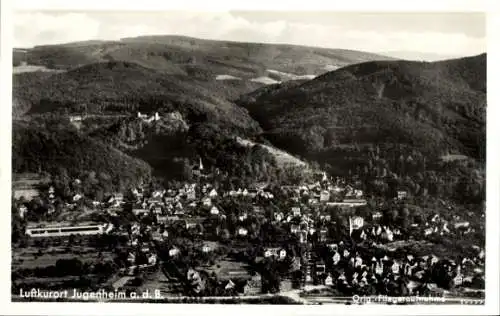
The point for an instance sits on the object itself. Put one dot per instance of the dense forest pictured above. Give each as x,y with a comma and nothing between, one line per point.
435,107
58,149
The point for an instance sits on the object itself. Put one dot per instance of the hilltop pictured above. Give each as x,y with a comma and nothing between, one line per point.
435,106
198,57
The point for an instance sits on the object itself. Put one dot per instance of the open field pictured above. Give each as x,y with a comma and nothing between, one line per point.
30,258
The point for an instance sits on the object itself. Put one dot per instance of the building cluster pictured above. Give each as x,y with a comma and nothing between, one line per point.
354,271
197,208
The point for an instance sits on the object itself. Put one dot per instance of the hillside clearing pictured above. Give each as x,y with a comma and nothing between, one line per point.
282,158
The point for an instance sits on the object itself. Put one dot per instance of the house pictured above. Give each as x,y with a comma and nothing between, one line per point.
213,193
358,261
282,254
206,248
156,210
242,231
138,209
358,194
463,224
192,222
266,195
272,252
131,258
296,211
152,259
207,202
157,193
435,218
320,268
258,209
214,210
253,286
402,195
267,253
22,211
356,222
428,231
118,197
329,280
252,193
77,197
75,118
324,196
377,216
387,234
336,258
323,234
313,201
229,285
191,195
395,268
173,252
303,236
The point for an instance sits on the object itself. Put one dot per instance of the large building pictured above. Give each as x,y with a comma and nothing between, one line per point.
65,229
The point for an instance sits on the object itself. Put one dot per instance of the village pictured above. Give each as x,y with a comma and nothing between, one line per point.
196,240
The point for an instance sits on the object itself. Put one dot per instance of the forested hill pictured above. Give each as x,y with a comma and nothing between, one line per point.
436,107
126,88
58,149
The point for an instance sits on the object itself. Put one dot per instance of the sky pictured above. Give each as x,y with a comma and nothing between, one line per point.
423,35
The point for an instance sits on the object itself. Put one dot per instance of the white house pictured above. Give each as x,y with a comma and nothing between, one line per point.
152,259
358,261
388,235
402,195
206,248
329,280
22,211
282,254
214,210
213,193
461,225
336,258
173,252
242,231
131,257
395,268
296,211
